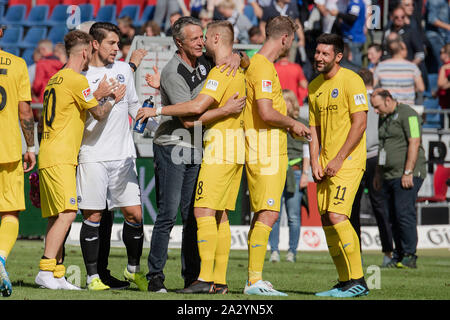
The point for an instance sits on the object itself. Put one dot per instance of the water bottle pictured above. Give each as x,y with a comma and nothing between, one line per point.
139,126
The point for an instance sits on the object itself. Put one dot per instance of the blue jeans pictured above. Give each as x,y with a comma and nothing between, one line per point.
175,188
293,207
401,205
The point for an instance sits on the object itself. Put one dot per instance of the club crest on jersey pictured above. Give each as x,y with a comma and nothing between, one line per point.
121,78
202,70
334,93
87,94
267,86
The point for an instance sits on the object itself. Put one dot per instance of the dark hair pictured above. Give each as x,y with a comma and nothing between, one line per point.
99,30
376,46
383,94
332,39
253,31
366,75
280,25
76,38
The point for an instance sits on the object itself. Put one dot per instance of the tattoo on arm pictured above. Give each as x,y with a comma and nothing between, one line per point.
28,130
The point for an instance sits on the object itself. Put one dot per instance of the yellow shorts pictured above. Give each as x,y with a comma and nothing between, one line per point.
218,186
12,194
57,185
336,194
266,183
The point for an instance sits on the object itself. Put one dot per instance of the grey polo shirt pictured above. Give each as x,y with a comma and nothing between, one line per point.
180,83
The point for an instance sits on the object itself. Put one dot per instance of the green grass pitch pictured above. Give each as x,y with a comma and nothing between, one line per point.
313,272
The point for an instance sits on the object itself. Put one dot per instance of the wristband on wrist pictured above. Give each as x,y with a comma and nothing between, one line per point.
158,111
31,149
133,66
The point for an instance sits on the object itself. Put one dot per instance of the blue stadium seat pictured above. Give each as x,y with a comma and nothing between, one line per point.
250,13
15,15
13,50
38,16
87,12
106,14
432,120
33,36
27,55
147,15
59,16
11,37
131,11
56,34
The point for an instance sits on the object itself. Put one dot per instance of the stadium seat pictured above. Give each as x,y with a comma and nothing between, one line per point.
51,3
38,16
87,12
56,34
131,11
106,14
250,13
13,50
15,15
11,37
432,120
27,3
147,15
33,36
59,16
27,55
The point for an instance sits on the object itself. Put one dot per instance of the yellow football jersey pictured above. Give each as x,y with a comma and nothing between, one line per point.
331,103
14,87
224,138
67,96
263,141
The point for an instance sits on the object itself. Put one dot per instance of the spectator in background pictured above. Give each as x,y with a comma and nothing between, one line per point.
444,78
437,28
376,196
351,23
255,37
205,18
258,6
291,77
400,172
151,29
241,24
411,38
127,30
163,13
410,18
125,46
60,52
46,67
399,76
296,183
172,19
374,54
328,10
347,59
32,68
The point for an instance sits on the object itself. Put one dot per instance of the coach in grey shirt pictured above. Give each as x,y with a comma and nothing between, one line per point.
177,154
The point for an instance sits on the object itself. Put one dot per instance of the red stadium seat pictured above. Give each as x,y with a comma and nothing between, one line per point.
75,2
124,3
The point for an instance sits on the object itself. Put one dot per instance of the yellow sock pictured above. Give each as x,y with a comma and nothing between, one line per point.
351,248
47,265
336,252
59,271
222,253
257,251
207,242
9,230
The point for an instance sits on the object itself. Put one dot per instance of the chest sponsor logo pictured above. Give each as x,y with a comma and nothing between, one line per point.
332,108
266,86
212,84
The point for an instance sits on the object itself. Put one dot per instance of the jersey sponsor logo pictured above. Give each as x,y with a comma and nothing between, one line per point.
334,93
332,107
267,86
87,94
359,99
212,85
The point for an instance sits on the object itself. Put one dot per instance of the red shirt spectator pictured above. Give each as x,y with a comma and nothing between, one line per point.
292,77
444,78
46,67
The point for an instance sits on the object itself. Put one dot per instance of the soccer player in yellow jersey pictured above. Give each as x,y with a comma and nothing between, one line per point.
15,97
221,170
67,96
337,117
266,125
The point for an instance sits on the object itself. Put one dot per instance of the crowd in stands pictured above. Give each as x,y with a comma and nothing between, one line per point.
409,55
